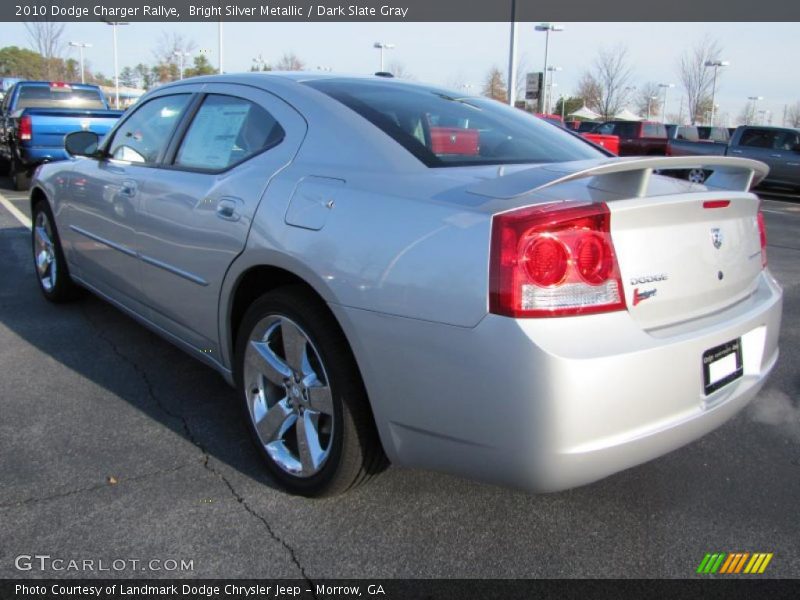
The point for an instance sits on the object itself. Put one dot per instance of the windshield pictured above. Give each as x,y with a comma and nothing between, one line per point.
442,129
40,96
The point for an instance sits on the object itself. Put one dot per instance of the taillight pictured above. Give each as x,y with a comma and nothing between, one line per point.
548,262
762,232
25,128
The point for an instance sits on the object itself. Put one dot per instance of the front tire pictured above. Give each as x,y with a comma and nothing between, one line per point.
304,402
49,263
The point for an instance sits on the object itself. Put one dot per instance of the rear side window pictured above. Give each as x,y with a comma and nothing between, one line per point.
227,130
444,129
654,130
145,134
687,133
626,130
42,96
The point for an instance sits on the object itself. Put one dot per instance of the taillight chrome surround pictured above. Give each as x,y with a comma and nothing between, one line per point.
553,261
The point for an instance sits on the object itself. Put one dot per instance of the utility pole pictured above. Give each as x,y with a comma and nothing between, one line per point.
512,56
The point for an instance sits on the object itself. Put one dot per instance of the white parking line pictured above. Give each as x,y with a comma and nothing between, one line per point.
17,213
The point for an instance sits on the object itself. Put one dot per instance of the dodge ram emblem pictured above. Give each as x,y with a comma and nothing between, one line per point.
716,237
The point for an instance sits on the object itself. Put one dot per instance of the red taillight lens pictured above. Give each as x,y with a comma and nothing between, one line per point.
762,232
550,261
25,128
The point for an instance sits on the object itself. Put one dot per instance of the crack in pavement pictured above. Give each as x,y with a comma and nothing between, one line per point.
92,488
193,439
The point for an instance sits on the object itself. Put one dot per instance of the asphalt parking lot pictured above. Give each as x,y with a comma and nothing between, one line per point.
86,395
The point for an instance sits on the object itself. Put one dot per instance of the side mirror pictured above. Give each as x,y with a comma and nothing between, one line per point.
82,143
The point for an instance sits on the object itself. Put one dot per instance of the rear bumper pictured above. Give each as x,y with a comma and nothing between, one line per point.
32,156
549,404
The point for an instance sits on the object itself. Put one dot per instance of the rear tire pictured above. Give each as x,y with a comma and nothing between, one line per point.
304,402
49,263
19,178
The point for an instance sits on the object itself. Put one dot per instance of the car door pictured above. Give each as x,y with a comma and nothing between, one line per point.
196,211
759,144
787,166
104,197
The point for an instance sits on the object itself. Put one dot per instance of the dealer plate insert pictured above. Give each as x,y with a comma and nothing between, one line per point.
722,365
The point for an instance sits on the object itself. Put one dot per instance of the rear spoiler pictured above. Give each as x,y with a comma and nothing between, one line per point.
628,177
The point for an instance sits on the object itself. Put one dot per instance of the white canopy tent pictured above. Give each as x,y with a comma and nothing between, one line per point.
584,113
626,115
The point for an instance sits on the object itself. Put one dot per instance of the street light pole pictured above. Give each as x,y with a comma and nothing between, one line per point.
549,95
181,55
219,43
754,99
547,28
666,87
114,25
81,46
715,64
382,46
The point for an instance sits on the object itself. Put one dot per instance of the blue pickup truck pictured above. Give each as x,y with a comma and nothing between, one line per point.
778,147
36,115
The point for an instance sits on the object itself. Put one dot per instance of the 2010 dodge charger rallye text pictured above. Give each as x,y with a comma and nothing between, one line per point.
388,271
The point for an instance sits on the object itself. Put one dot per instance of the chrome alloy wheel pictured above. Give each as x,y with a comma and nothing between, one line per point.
697,176
44,252
288,396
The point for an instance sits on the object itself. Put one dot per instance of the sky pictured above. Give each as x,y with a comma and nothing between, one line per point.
462,53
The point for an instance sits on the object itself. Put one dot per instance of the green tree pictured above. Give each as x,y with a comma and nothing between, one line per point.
21,62
127,77
201,67
571,104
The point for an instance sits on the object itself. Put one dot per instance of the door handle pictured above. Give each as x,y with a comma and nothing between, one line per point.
228,209
776,155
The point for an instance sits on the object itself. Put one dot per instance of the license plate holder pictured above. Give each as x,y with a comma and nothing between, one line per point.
721,365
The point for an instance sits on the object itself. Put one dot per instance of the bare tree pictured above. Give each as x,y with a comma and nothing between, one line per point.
495,85
589,91
647,100
793,115
170,47
611,74
400,71
290,62
46,39
696,78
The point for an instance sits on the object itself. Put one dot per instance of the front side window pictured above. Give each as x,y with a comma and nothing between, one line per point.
443,129
758,138
227,130
143,136
654,130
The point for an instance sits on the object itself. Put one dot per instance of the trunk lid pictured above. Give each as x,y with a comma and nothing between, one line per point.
682,257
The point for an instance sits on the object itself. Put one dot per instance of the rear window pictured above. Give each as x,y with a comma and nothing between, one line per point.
713,134
40,96
688,133
442,129
654,130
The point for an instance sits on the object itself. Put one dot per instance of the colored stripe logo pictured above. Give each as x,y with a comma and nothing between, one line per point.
734,563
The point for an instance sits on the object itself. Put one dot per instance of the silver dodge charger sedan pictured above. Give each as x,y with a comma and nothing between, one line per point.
389,271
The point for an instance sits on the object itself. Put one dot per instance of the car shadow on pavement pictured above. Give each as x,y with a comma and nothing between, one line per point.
111,350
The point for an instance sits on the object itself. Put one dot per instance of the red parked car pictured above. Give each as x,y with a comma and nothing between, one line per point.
637,138
609,142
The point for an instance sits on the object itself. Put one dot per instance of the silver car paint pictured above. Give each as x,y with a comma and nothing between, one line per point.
522,402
